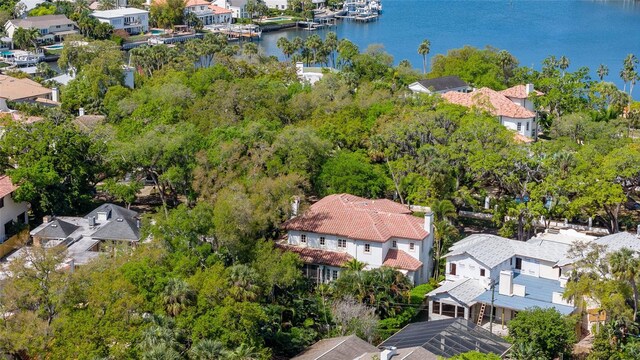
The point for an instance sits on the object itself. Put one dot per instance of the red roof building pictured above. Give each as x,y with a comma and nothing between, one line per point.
377,232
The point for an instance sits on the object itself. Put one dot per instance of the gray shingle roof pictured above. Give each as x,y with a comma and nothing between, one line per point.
615,242
492,250
337,348
118,229
56,229
115,210
443,83
464,290
44,21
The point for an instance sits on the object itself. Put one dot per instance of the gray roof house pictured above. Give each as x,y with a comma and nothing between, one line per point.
83,237
440,85
337,348
51,27
518,275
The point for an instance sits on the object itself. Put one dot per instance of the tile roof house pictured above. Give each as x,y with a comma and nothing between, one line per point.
512,106
517,274
51,27
208,13
11,211
440,85
377,232
24,90
84,237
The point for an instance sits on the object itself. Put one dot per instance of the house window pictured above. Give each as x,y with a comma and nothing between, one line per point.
527,126
411,246
452,268
334,275
518,264
482,272
436,307
322,241
459,312
303,238
342,243
449,310
1,203
511,262
519,126
394,244
367,248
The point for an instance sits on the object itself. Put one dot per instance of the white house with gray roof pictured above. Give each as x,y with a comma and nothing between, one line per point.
51,27
523,274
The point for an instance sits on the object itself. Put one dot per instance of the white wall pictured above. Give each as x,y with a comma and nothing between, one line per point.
276,4
10,211
512,124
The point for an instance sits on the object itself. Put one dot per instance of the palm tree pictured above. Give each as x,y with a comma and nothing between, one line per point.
314,43
250,49
355,265
207,349
108,4
603,71
331,43
563,64
628,72
423,49
177,296
243,352
244,283
285,46
443,210
24,38
625,266
507,62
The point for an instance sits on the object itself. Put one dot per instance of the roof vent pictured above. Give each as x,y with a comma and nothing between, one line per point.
119,220
54,225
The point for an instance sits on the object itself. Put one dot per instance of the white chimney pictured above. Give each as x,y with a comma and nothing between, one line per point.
80,111
295,206
506,283
388,353
529,88
55,94
428,220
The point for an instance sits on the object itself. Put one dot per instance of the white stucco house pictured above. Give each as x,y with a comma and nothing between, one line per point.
276,4
51,27
237,7
513,107
518,275
440,85
11,211
133,21
208,13
381,232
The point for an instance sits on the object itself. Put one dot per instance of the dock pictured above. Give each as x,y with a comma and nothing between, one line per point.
235,31
317,24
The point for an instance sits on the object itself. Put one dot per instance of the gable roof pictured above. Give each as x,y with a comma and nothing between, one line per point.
337,348
358,218
56,229
17,89
43,21
519,92
491,101
318,256
401,260
443,83
463,290
447,338
6,186
114,211
492,250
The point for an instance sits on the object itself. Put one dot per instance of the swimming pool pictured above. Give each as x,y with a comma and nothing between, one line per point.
279,18
157,31
54,47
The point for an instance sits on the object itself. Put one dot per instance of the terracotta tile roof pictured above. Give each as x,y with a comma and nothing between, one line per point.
519,92
358,218
196,3
491,101
16,89
6,186
318,256
219,10
401,260
519,138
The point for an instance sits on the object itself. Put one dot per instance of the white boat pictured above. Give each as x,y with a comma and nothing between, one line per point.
21,58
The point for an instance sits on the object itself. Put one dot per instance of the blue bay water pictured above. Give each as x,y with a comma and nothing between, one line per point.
589,33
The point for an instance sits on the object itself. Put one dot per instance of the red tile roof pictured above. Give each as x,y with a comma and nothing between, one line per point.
219,10
401,260
491,101
358,218
519,92
196,3
6,186
318,256
519,138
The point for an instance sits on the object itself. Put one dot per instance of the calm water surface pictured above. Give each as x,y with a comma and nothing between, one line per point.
587,32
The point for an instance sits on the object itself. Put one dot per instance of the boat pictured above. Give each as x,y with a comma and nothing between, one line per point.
21,57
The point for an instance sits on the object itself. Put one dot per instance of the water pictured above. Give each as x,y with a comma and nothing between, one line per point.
589,33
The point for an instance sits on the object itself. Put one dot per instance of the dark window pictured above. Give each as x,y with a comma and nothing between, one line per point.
411,246
452,268
518,264
394,244
367,248
303,238
449,310
511,262
436,307
1,203
559,272
22,218
322,241
481,272
460,312
335,274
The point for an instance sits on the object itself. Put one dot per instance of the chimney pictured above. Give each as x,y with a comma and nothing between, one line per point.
55,94
92,221
506,283
388,353
47,219
295,206
80,111
428,220
529,88
103,215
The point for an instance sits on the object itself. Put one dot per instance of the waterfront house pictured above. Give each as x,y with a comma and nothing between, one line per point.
85,237
52,28
237,7
342,227
513,107
517,275
11,212
25,90
133,21
440,85
310,74
208,13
